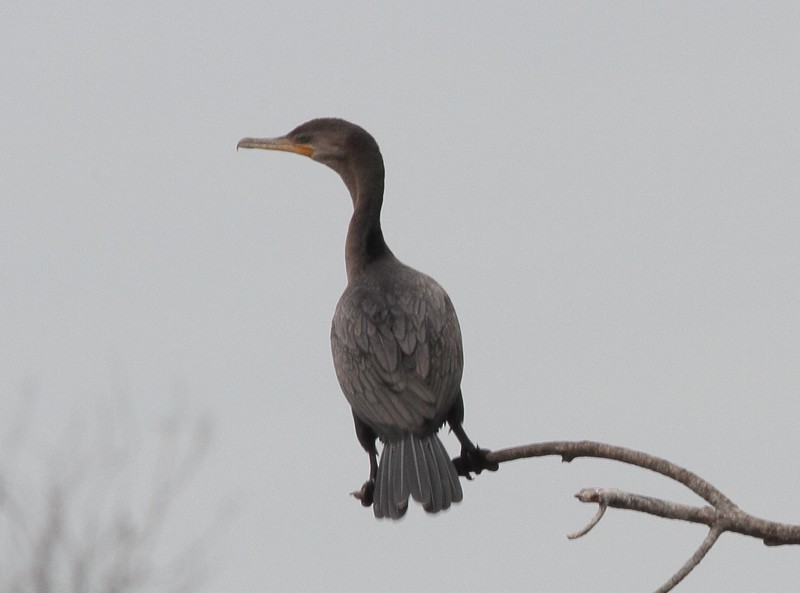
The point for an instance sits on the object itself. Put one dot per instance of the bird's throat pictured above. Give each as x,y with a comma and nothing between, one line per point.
365,243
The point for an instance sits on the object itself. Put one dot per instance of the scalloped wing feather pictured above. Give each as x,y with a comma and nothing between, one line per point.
397,352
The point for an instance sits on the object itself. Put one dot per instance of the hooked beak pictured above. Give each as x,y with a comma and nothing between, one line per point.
281,143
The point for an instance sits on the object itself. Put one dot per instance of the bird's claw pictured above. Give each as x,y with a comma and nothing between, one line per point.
474,460
365,495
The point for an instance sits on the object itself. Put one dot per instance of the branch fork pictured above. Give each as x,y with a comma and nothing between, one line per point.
720,514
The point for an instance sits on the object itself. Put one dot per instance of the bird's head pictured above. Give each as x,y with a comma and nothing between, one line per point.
343,146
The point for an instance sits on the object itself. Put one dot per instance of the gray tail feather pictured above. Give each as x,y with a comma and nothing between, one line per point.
419,467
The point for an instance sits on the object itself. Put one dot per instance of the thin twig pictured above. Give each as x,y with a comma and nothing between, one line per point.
601,510
698,555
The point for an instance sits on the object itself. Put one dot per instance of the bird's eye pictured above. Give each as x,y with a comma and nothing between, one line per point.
303,139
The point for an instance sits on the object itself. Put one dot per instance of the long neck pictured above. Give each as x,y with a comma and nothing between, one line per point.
365,242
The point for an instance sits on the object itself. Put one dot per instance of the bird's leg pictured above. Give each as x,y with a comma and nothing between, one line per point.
366,436
473,458
365,494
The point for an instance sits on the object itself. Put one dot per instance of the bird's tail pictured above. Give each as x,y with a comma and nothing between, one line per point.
416,466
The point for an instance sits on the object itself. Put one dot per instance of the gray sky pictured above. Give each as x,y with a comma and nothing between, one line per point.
608,191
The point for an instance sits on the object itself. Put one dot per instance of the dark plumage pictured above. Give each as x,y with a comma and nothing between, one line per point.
395,339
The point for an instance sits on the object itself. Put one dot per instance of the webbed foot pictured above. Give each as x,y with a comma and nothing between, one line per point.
365,495
473,460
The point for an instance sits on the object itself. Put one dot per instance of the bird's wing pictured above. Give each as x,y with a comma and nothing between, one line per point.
398,354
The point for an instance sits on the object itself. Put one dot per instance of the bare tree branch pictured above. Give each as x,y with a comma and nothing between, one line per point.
601,510
722,515
618,499
695,559
569,450
89,519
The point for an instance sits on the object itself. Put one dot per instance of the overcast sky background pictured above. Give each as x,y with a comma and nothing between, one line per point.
610,193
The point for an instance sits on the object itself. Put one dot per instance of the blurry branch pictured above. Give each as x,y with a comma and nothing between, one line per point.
90,519
720,515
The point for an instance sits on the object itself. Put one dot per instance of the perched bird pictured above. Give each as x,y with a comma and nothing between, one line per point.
395,339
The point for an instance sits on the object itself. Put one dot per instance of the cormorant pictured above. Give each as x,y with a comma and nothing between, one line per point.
395,339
